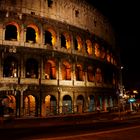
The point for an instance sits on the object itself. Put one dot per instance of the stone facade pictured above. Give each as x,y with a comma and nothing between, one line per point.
56,57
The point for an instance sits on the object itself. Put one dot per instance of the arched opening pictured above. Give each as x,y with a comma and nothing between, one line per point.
77,43
30,35
100,102
11,32
63,41
79,73
66,71
90,74
12,103
108,56
48,38
80,104
103,53
97,50
88,47
98,75
50,69
91,103
9,104
50,105
30,105
110,102
106,103
31,68
67,104
10,68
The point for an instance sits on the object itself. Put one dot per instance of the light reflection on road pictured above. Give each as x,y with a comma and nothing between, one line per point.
129,133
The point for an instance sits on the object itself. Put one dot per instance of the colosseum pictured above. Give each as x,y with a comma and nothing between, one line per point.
56,57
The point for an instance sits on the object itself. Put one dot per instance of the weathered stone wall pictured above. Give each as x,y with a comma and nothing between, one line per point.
73,12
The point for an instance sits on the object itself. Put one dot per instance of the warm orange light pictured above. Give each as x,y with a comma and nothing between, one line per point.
79,43
89,46
97,50
36,31
53,35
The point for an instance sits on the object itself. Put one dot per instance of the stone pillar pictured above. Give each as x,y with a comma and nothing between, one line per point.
72,43
41,40
3,33
21,103
22,67
24,35
59,101
43,109
59,72
73,72
1,59
42,76
74,103
86,79
58,43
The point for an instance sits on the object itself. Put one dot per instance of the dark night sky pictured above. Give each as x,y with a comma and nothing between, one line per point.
124,16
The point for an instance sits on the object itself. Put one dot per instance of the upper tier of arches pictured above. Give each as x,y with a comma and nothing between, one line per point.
77,13
50,37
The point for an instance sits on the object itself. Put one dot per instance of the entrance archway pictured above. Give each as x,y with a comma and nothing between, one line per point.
80,104
50,105
91,103
67,104
30,106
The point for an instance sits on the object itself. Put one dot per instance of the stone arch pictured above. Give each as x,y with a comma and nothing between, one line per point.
30,105
9,103
78,43
97,50
88,47
80,103
10,68
32,33
66,70
90,74
12,31
91,102
50,69
50,105
79,73
65,40
50,36
31,68
67,104
98,75
100,102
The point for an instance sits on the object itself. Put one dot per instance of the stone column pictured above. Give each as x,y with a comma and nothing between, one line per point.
21,104
58,43
74,103
3,33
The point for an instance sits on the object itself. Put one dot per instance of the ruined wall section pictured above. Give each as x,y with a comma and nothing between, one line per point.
74,12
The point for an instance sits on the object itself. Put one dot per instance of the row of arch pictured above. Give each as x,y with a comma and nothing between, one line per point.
11,68
50,106
50,37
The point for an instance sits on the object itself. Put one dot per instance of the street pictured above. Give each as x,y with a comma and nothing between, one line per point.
125,130
129,133
75,127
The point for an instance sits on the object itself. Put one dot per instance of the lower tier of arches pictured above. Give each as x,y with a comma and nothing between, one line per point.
40,101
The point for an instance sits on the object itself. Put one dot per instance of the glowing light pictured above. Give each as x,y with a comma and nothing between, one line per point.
135,91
